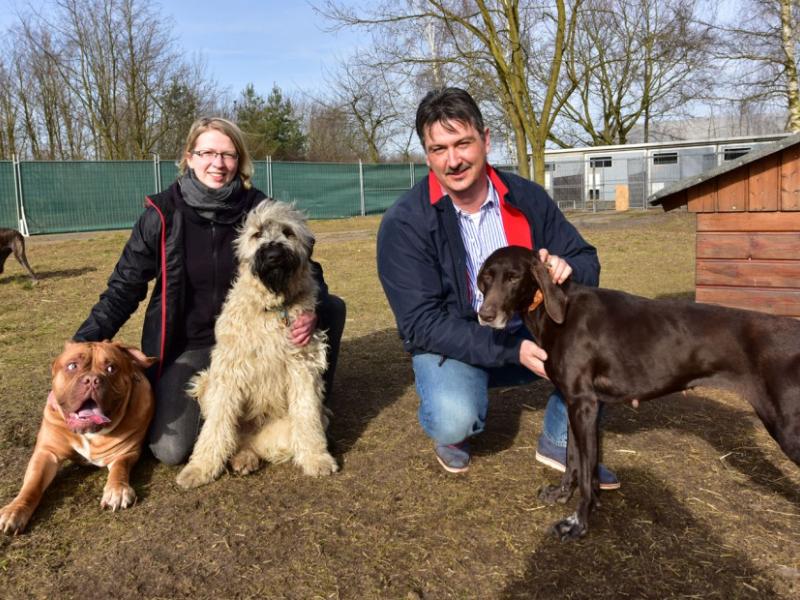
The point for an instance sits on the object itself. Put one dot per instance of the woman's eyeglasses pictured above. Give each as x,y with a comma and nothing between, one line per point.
211,155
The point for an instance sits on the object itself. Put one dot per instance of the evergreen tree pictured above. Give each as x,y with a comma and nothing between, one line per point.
271,126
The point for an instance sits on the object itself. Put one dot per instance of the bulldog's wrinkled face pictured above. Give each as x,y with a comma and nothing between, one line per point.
275,243
92,381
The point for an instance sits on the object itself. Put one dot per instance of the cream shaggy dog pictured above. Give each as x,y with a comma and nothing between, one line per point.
261,397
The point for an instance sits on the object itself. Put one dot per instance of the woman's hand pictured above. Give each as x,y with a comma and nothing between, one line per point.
302,327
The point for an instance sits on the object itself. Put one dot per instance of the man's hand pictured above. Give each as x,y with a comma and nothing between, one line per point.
558,267
302,328
532,357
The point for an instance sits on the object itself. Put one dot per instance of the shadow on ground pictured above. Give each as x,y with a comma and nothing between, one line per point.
43,275
731,431
373,373
643,545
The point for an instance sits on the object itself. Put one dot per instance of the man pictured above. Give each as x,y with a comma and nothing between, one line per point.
431,245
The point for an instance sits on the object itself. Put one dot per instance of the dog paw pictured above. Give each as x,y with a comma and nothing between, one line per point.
13,519
192,476
569,529
117,497
318,464
245,462
552,494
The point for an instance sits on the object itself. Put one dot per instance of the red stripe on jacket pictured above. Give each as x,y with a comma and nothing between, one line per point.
516,226
163,284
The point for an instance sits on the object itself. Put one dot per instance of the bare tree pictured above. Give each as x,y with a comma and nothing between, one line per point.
52,120
510,51
369,105
760,46
329,134
630,62
101,78
9,112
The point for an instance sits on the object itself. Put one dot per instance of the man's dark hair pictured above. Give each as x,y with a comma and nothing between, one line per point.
447,104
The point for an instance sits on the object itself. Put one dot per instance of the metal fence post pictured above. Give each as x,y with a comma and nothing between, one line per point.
156,171
411,171
22,221
361,187
270,192
17,200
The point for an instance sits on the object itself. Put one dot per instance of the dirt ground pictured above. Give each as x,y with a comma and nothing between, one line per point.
709,506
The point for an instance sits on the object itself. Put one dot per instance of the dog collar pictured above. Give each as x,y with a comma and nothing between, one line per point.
538,298
281,313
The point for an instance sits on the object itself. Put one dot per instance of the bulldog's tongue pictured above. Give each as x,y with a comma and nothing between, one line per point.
97,419
90,413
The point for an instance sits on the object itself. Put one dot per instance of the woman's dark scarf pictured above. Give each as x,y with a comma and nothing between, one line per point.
221,205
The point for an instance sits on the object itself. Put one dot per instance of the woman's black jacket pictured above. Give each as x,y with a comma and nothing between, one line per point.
154,251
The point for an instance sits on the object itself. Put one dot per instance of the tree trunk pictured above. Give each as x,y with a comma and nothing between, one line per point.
790,64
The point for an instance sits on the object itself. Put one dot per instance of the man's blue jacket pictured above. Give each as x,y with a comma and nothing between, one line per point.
422,266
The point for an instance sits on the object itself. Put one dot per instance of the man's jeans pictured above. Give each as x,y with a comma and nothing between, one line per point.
454,398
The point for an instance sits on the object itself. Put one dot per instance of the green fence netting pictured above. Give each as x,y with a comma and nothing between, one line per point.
169,173
84,196
8,208
72,196
322,190
383,184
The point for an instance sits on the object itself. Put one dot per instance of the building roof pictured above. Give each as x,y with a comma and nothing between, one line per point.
668,145
684,184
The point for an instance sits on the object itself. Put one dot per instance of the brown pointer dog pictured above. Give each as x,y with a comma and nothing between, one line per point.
609,346
11,240
98,412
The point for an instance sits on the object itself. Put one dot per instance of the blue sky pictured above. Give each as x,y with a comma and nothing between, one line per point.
263,42
260,42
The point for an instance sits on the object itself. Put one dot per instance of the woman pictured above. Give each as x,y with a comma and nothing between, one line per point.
184,240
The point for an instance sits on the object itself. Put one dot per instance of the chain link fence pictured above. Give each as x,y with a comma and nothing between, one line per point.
615,181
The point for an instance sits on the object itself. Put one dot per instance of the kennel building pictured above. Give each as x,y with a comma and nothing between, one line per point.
624,176
748,228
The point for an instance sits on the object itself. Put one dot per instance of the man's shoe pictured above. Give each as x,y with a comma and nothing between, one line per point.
555,457
454,458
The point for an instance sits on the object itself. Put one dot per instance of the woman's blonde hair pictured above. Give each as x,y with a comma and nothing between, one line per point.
228,128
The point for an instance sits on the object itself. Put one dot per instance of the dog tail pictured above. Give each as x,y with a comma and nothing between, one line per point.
18,246
196,388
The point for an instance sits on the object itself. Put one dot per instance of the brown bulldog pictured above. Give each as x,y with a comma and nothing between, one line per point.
97,412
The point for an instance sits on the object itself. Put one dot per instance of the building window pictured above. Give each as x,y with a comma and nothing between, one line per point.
665,158
594,194
549,167
732,153
598,162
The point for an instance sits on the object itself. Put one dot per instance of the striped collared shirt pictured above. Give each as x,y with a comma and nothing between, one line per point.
482,233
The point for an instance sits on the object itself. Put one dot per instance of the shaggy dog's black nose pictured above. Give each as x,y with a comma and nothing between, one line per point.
273,253
274,264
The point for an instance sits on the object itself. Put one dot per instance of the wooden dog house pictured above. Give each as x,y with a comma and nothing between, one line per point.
748,228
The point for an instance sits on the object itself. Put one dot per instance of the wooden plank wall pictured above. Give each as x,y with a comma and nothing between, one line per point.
769,184
750,260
